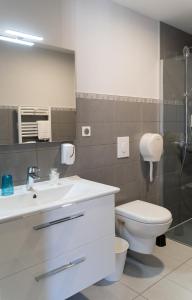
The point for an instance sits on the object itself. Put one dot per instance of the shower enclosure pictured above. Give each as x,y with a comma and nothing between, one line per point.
177,129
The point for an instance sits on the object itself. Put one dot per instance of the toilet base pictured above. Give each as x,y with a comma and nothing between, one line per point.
161,240
140,245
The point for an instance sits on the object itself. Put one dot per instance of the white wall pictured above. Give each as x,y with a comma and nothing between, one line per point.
43,17
117,50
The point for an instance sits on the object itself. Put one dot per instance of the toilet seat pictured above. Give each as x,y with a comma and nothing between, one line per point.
144,212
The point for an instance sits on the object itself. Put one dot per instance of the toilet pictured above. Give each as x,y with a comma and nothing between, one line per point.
140,223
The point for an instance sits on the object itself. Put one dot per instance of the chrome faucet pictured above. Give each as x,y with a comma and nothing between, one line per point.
32,176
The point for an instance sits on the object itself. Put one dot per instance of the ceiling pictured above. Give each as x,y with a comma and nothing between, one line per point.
177,13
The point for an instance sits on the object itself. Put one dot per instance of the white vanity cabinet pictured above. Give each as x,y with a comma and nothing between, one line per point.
54,254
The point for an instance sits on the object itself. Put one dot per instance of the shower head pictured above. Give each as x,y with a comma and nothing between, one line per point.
186,51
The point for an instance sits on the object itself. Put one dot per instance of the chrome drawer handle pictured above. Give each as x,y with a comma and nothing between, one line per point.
48,224
60,269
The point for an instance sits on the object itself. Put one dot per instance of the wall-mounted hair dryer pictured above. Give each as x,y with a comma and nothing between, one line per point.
151,149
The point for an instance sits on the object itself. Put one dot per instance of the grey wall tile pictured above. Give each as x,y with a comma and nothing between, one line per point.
122,196
131,129
101,134
63,125
102,111
16,163
83,111
67,171
62,116
151,191
127,111
134,150
126,172
95,111
95,156
6,129
17,148
63,132
48,158
129,192
120,161
150,112
151,127
170,113
103,175
13,132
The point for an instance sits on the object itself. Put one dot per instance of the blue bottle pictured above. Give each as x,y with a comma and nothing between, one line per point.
7,185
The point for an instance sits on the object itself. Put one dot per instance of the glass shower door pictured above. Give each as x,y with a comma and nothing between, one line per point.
177,161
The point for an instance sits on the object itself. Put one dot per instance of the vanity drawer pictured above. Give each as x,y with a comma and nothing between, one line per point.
62,277
36,238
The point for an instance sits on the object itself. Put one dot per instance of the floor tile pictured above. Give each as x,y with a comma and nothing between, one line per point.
116,291
174,249
78,296
189,262
142,271
182,233
182,276
167,290
165,275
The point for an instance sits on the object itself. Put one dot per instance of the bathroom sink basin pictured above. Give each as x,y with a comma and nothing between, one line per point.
36,198
46,196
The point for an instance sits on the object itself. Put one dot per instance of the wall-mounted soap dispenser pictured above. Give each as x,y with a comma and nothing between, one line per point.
68,154
151,148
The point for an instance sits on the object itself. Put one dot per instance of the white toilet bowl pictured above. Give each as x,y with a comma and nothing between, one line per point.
140,223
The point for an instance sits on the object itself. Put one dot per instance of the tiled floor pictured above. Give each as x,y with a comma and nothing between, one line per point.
165,275
182,233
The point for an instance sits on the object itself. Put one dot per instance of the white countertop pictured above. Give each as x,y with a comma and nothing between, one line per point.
68,191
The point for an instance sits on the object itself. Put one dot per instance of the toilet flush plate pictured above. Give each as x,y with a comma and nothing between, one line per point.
123,147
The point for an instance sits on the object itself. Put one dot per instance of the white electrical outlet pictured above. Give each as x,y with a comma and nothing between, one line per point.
86,130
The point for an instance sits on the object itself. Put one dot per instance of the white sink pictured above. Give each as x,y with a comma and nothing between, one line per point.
46,196
33,198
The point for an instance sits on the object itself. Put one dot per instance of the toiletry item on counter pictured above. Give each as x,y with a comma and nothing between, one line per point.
68,154
7,185
54,176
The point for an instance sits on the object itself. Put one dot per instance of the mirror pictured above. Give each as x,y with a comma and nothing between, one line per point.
37,94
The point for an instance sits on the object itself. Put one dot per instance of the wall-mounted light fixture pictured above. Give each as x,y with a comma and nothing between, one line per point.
20,38
15,41
22,35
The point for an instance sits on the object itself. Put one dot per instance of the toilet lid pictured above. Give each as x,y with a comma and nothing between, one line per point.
144,212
